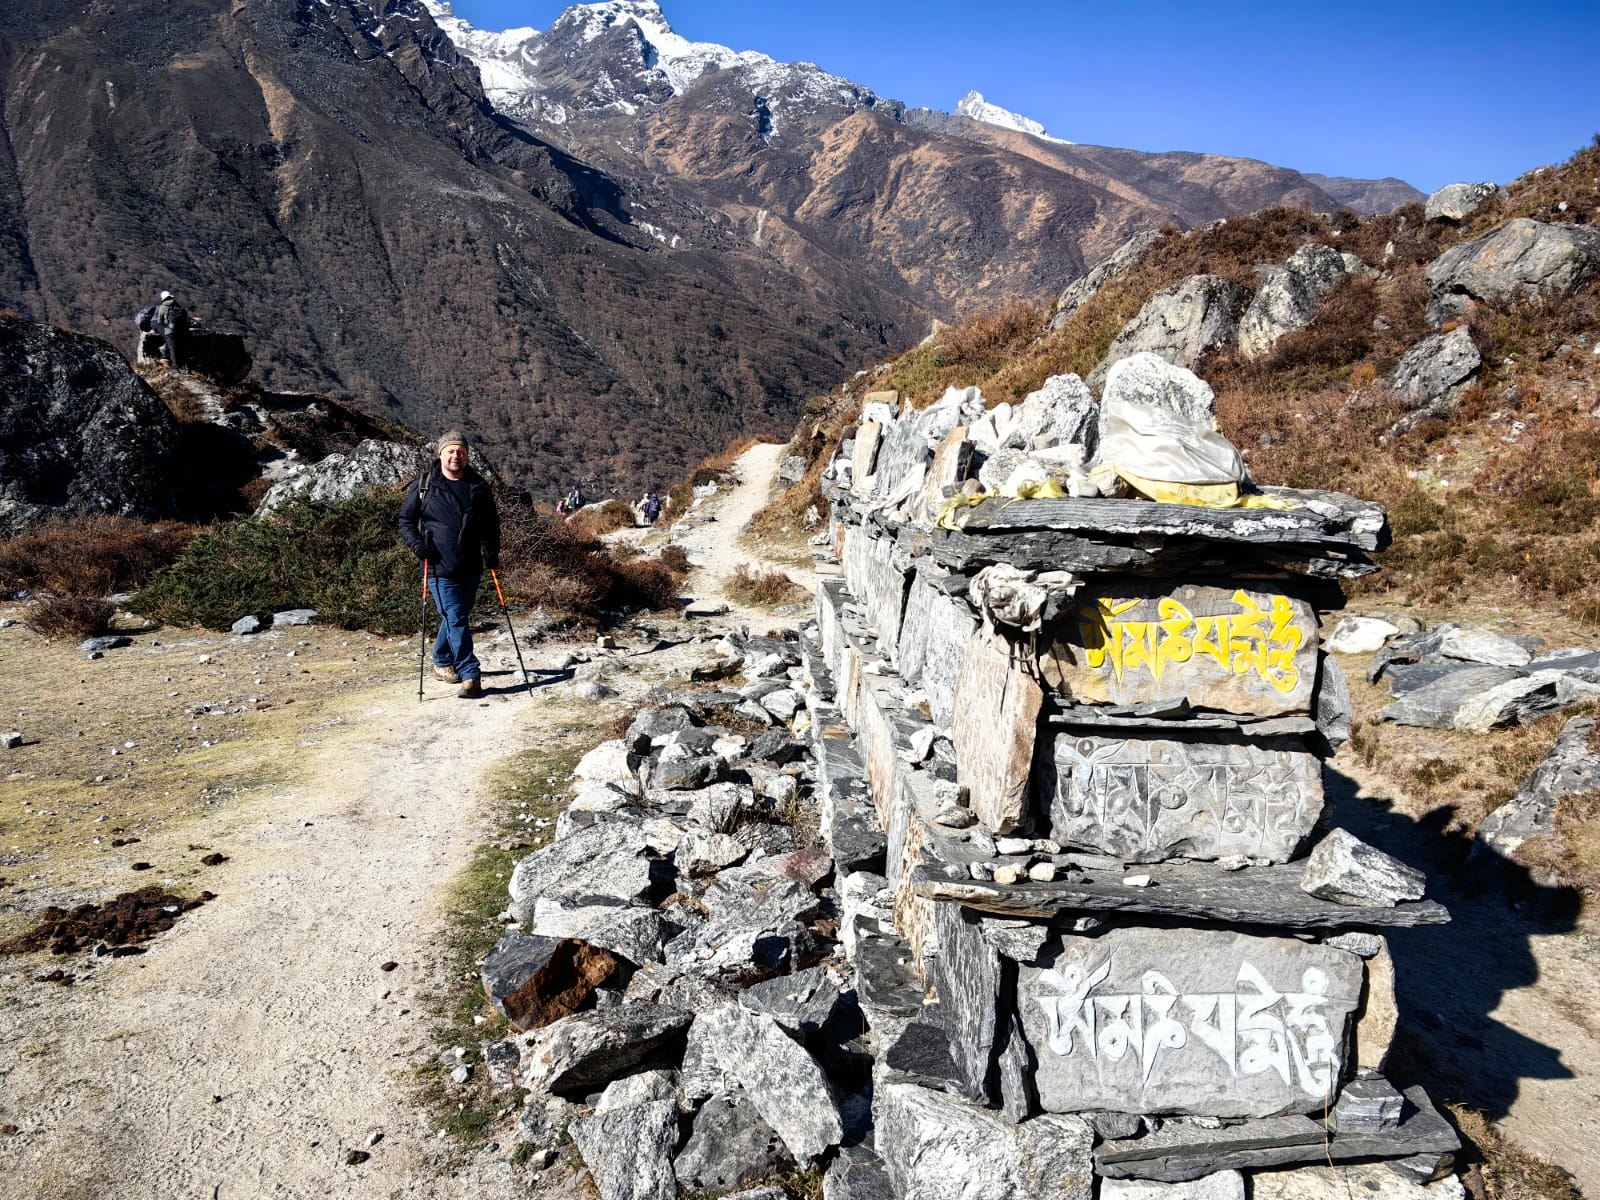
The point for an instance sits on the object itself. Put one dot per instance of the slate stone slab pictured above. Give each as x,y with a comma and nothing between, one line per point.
994,751
920,1054
535,981
1265,895
1181,1151
1225,649
804,1003
1369,1181
628,1150
903,459
1334,708
966,974
780,1077
1220,1185
1015,1070
878,579
933,641
1518,701
588,1049
857,1174
1147,799
1569,769
951,465
936,1147
869,436
1189,1021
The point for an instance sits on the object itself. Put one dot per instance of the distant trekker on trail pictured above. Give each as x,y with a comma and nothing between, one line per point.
449,520
171,321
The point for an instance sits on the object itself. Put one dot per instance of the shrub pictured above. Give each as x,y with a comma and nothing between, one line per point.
596,520
344,559
749,585
73,617
89,556
675,559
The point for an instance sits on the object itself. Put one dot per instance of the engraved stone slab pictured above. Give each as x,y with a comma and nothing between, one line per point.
996,724
865,462
933,641
1232,650
902,459
1203,1022
1153,798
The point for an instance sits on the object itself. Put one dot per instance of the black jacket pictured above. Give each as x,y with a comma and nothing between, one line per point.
457,544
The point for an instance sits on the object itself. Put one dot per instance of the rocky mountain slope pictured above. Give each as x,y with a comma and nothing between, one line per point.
660,256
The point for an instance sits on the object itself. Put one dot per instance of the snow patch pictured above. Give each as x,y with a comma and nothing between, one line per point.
976,108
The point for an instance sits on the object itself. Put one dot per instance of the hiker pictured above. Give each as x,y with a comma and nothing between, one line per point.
449,521
171,321
650,506
572,503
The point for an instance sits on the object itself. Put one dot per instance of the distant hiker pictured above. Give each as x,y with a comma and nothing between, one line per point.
171,321
651,507
572,503
449,520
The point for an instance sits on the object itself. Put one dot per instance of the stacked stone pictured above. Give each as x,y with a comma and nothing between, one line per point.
1089,733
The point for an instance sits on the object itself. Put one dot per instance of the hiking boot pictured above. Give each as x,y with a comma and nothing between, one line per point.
446,675
471,689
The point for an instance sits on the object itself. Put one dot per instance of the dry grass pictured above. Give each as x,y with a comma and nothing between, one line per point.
89,556
75,617
1505,1170
546,564
751,585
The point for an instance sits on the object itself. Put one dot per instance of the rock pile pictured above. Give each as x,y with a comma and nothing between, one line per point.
1087,734
1451,677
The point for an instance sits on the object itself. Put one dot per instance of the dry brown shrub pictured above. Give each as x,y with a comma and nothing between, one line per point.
1506,1171
674,558
1569,855
986,341
751,585
89,556
597,520
1339,333
644,584
72,617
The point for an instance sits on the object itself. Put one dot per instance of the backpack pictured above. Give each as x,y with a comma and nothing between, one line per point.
146,318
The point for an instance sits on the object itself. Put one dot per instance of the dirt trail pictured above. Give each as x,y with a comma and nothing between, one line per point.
257,1043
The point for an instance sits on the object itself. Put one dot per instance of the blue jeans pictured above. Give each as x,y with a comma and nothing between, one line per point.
453,647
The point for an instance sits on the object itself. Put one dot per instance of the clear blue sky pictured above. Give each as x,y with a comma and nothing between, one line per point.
1432,93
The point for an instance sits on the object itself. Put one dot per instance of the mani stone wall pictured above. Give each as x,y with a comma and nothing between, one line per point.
1085,737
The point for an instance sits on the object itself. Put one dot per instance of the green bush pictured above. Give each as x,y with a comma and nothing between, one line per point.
345,560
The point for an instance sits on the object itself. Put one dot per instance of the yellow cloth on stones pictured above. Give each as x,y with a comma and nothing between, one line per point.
1200,495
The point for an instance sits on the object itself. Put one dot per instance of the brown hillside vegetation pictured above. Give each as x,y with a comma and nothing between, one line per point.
1498,501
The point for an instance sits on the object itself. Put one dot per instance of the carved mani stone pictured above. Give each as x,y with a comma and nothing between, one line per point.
1191,1021
995,725
1147,799
1231,650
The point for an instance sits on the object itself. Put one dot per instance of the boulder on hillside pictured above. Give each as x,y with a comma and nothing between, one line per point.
1179,324
1432,373
79,431
1522,259
340,476
1122,260
1289,297
1457,201
1570,769
220,357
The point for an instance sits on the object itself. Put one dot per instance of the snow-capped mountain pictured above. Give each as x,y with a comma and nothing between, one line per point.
620,56
975,107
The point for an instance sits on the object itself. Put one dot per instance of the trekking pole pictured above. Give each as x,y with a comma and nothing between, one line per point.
499,595
422,635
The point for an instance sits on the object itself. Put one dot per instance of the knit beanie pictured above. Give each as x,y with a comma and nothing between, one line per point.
450,437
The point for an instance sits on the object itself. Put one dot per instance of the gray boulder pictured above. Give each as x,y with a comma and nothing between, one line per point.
1180,323
339,476
607,859
1288,298
636,932
780,1077
1522,259
588,1049
1149,379
1122,260
79,431
1435,704
1570,769
1061,413
1344,869
1432,373
791,469
1518,701
934,1147
1457,201
729,1146
628,1149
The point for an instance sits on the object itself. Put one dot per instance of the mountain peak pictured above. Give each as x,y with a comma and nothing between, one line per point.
974,107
